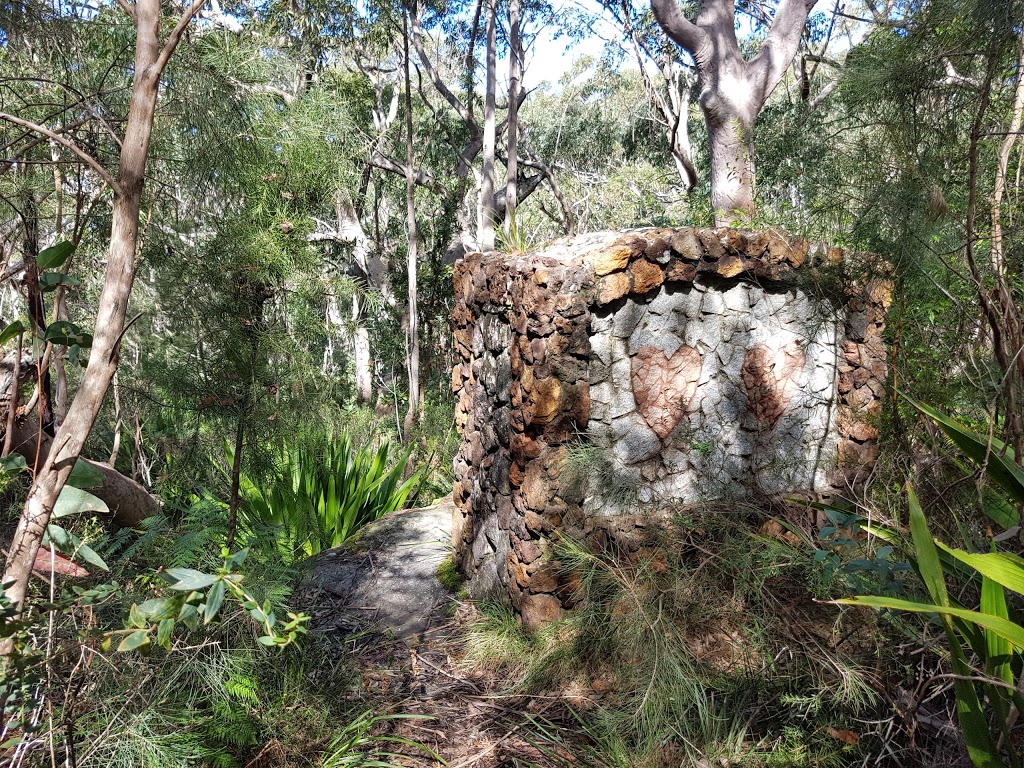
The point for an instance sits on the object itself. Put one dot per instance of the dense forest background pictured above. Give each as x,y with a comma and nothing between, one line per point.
314,170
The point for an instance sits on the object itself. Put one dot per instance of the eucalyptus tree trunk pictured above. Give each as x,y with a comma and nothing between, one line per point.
487,206
733,89
515,68
412,327
150,60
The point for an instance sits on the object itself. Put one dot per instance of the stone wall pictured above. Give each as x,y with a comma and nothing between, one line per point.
613,373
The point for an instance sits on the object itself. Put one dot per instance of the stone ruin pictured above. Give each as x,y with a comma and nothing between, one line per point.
609,376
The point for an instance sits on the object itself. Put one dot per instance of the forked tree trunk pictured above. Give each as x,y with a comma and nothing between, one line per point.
733,89
731,143
150,60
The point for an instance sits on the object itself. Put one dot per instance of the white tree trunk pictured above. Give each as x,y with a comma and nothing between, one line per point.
412,327
515,58
486,236
733,89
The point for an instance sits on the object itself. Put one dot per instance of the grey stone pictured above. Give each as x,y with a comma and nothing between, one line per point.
622,403
602,392
496,333
713,303
627,319
663,303
654,336
633,442
602,347
857,325
503,378
388,574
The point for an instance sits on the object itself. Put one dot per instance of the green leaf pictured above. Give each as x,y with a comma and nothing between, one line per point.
67,333
266,640
189,616
163,633
84,475
69,544
999,509
12,330
214,600
1002,469
927,555
13,462
55,256
187,579
1004,568
134,641
75,501
158,608
998,653
1004,628
49,281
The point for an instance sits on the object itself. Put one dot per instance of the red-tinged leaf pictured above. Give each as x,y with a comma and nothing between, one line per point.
58,564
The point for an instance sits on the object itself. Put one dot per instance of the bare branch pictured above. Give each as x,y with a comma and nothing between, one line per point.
67,144
956,79
179,29
435,78
127,7
385,163
823,94
781,44
683,31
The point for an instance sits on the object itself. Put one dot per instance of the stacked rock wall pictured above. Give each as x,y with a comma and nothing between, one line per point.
674,366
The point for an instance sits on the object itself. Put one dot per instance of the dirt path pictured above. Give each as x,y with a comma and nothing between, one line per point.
381,603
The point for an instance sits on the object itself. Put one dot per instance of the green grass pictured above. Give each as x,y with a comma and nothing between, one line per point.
698,650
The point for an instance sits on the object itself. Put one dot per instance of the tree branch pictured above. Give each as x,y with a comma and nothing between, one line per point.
683,31
67,144
439,84
172,39
781,44
385,163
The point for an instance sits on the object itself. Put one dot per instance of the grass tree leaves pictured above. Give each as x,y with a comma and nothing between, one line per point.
992,454
1011,632
1004,568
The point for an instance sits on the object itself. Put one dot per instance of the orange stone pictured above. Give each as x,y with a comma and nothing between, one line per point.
613,287
771,378
729,266
611,260
646,276
545,400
